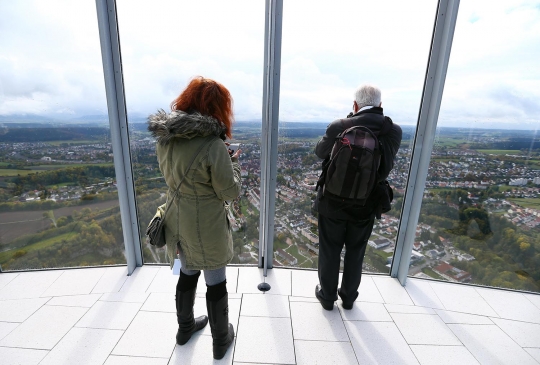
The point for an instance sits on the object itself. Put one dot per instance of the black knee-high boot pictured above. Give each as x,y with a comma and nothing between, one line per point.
217,303
185,299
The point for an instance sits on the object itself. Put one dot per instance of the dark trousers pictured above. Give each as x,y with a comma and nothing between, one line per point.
333,234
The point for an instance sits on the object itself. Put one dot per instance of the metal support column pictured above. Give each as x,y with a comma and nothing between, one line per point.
116,103
269,138
439,55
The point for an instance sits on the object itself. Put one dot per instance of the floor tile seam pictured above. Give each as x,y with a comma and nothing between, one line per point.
24,348
97,281
292,327
251,316
508,334
468,349
436,295
479,292
15,276
237,324
349,336
310,340
529,347
99,328
513,320
526,297
123,334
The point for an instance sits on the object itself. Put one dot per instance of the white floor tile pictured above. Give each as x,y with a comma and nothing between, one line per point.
424,329
264,340
234,313
279,280
6,277
368,292
165,281
132,360
29,284
126,297
443,355
151,334
392,291
109,315
6,328
17,356
18,310
161,302
303,282
198,351
265,305
44,328
74,282
422,294
462,318
311,322
324,353
140,279
490,345
83,346
511,305
411,309
525,334
462,298
534,352
112,280
379,343
364,311
85,301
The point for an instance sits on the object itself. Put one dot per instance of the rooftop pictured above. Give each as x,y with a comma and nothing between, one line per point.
103,316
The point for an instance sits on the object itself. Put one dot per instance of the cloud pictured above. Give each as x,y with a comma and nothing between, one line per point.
50,61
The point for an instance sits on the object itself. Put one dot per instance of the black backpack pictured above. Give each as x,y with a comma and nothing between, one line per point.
351,172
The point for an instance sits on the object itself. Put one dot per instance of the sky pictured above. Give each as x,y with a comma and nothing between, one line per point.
50,60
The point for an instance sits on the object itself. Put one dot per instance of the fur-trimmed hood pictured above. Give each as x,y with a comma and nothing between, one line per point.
166,126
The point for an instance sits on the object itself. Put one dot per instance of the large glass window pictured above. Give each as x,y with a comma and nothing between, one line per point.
165,44
58,197
328,51
480,216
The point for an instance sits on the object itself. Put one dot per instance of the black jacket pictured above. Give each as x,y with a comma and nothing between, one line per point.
373,119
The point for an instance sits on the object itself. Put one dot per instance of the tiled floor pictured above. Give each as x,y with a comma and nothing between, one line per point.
102,316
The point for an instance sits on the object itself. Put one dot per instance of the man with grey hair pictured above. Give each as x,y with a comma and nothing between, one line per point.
344,221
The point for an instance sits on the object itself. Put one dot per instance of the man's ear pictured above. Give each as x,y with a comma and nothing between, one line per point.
355,106
380,104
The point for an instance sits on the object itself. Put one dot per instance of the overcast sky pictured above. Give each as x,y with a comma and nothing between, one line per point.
50,62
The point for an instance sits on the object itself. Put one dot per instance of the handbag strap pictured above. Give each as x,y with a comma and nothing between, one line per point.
182,180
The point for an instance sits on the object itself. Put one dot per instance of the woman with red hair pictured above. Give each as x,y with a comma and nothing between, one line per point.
196,225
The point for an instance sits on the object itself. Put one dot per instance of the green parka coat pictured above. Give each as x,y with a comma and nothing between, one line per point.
197,220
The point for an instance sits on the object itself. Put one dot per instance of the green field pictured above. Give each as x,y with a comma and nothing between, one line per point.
501,152
40,168
72,143
12,172
6,255
533,203
428,271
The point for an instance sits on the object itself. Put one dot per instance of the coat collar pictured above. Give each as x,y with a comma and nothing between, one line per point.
178,124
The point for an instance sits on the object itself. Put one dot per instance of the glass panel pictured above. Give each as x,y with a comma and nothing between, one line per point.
328,51
164,45
479,221
58,197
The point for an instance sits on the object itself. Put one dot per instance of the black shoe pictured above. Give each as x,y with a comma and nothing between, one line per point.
326,304
346,303
187,324
222,330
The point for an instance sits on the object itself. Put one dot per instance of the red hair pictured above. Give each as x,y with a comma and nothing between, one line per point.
207,97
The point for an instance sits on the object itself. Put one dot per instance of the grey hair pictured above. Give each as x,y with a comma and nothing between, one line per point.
367,95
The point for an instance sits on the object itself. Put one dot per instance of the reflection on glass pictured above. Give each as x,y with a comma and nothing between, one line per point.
164,45
480,217
336,49
58,197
